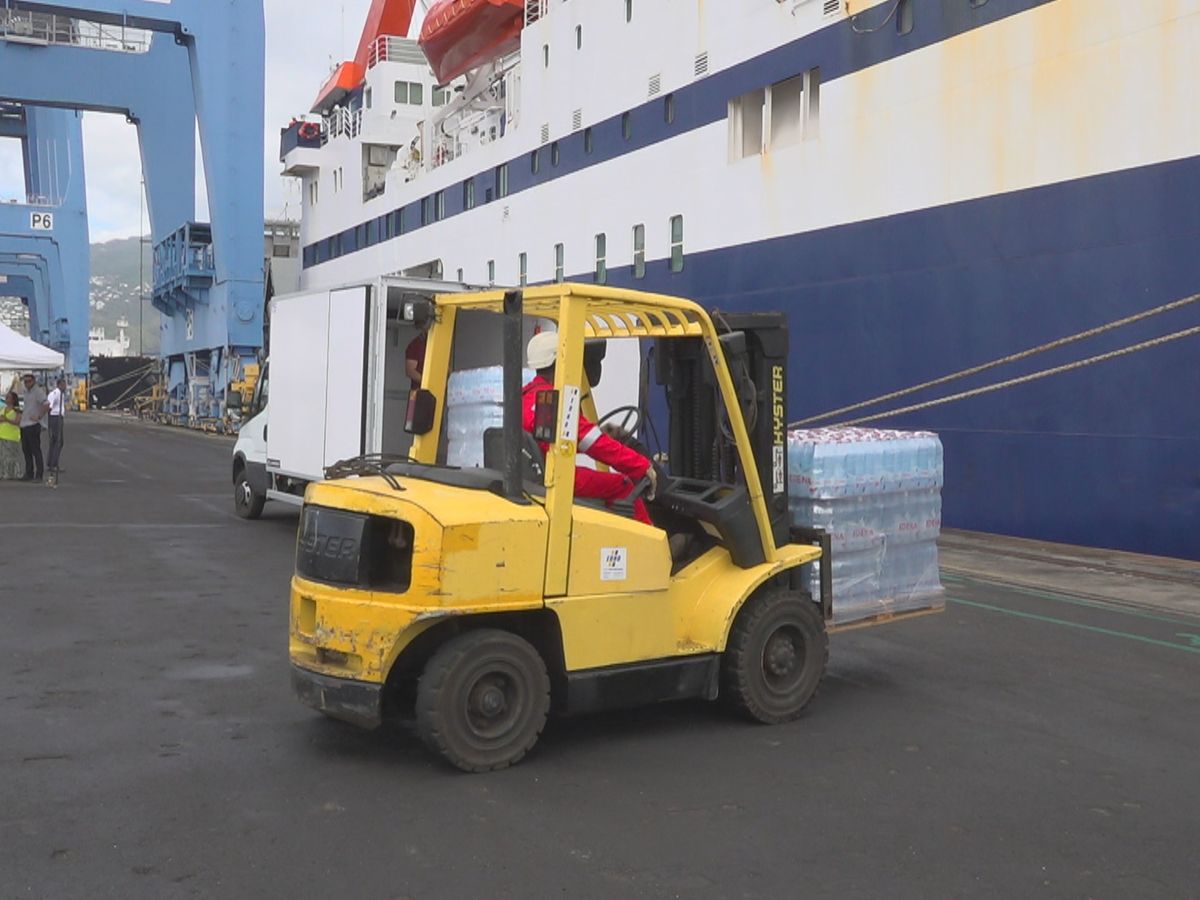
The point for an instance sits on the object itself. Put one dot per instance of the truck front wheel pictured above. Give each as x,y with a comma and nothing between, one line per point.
776,656
483,699
247,503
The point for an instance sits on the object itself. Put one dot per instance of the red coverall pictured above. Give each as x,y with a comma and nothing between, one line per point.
607,486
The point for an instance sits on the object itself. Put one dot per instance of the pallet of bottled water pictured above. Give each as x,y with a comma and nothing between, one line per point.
877,493
474,403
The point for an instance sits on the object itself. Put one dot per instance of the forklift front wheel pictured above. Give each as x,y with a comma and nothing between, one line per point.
483,699
776,656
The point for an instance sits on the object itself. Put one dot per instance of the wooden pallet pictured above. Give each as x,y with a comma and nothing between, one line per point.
884,618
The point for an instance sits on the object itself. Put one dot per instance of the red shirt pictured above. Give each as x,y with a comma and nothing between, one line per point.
591,440
416,353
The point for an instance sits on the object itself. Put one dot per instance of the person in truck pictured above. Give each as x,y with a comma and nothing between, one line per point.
629,466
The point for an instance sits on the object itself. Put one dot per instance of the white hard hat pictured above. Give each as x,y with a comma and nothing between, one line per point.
542,350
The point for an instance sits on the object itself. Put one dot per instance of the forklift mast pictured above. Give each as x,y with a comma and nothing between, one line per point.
755,346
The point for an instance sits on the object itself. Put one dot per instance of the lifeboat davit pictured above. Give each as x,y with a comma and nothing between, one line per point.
459,35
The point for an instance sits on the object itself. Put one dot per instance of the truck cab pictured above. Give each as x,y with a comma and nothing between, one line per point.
250,482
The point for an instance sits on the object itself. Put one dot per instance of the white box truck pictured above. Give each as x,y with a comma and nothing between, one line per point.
335,385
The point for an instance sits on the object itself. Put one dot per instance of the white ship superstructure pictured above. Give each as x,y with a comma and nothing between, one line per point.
924,185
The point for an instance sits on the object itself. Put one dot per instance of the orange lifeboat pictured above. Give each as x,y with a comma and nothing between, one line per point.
459,35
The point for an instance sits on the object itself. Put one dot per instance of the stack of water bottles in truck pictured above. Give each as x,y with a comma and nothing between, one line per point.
474,403
877,493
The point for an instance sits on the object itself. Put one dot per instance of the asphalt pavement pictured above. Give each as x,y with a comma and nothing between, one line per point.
1034,740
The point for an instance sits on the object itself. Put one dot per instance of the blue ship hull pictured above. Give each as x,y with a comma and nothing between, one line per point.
1107,455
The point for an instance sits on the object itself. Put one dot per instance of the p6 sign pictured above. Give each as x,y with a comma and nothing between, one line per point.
41,221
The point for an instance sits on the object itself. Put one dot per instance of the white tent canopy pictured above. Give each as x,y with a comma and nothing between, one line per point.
18,352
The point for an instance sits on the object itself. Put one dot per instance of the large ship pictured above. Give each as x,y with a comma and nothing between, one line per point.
926,187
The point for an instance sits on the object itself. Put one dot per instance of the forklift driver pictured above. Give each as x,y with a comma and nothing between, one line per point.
607,486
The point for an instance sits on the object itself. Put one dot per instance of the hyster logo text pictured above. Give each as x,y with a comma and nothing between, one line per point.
778,457
329,547
777,403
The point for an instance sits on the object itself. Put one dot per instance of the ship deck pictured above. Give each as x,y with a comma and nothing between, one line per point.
1038,737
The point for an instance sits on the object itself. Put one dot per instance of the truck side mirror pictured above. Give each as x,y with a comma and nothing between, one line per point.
422,409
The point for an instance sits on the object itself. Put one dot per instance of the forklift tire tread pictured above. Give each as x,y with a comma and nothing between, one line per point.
776,656
483,699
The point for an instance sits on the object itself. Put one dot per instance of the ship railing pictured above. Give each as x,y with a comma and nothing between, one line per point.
535,9
342,122
390,48
28,27
445,150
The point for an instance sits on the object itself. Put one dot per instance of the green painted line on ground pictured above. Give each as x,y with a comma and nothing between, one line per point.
1063,598
1093,628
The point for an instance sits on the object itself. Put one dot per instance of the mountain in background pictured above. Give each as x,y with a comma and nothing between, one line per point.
115,294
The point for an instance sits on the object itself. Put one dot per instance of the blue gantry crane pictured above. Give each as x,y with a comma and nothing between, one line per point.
44,251
171,68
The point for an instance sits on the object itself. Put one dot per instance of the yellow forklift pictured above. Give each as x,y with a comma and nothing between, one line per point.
482,599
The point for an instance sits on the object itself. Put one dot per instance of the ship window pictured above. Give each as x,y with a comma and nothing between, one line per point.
398,216
746,124
669,108
426,210
439,205
367,98
601,259
546,55
491,271
502,180
676,243
587,140
626,126
904,16
628,10
639,251
409,93
523,268
787,111
460,276
469,194
312,192
535,161
441,96
578,37
559,266
554,154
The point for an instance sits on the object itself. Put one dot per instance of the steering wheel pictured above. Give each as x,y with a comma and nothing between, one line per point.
627,413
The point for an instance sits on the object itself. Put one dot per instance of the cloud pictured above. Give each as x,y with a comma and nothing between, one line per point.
305,38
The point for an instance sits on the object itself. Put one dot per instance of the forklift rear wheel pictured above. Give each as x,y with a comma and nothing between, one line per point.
776,656
247,503
483,699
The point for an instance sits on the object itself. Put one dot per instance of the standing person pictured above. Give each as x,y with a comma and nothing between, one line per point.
11,462
56,405
31,429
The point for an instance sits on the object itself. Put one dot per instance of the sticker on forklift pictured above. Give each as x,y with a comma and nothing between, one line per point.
569,430
614,563
779,470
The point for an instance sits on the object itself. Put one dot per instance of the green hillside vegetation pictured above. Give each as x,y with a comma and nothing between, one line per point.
115,293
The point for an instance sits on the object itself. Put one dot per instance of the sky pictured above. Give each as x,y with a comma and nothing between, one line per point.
304,39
